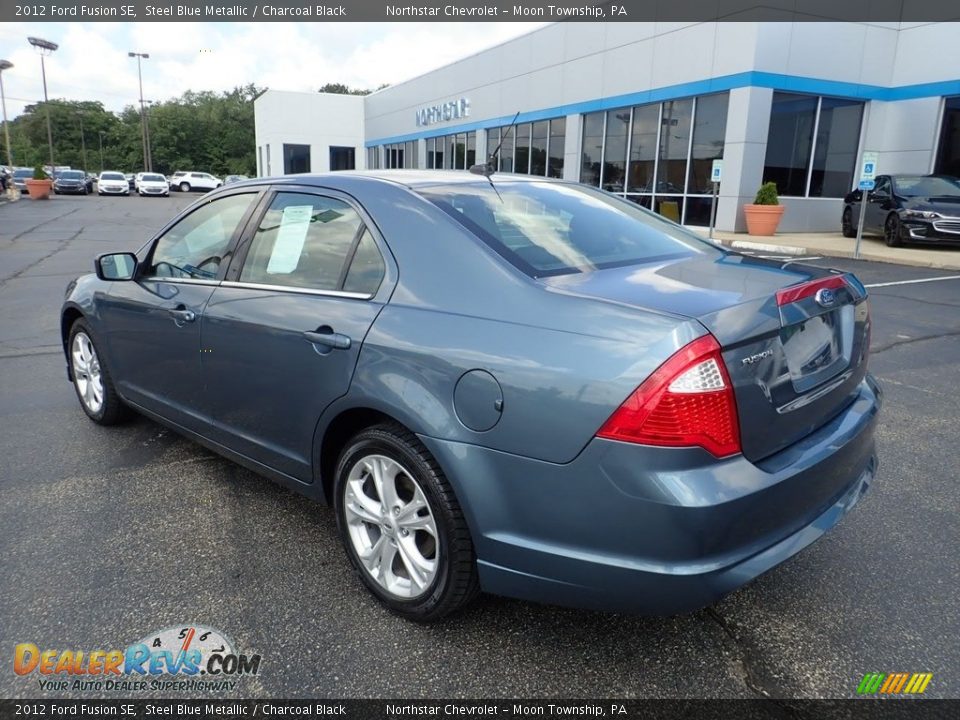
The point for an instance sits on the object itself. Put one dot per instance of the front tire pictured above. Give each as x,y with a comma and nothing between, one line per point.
91,378
401,525
846,224
184,187
891,231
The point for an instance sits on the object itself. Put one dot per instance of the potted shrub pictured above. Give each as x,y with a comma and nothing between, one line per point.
763,216
39,185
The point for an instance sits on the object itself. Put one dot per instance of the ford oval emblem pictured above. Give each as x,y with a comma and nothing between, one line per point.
825,297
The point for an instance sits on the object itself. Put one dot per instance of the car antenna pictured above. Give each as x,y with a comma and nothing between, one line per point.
490,166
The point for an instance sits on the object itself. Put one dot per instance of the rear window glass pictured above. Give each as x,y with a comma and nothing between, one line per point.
555,229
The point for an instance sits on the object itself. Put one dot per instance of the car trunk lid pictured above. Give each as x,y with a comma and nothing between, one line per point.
793,337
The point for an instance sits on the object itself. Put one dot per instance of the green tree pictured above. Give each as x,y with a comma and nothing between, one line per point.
198,131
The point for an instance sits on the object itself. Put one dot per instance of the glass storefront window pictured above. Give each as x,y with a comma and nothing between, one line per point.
643,148
789,142
948,149
523,148
835,153
471,150
802,165
709,130
558,141
674,146
538,148
592,148
615,150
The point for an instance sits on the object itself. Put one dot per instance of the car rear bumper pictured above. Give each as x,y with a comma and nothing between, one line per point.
656,530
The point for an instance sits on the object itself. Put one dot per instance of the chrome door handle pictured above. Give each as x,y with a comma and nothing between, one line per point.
337,341
183,315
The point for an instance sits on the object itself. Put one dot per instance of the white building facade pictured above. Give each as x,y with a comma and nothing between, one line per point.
643,110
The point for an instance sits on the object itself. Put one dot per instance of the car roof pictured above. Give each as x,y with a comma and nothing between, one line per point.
408,178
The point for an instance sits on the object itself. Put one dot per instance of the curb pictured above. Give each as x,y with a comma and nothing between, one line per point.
842,253
764,247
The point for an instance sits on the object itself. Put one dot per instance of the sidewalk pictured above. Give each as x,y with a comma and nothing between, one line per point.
836,245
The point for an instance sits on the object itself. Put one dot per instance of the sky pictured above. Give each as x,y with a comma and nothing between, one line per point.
92,61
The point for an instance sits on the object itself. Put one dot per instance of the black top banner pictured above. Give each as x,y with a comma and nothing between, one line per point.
477,10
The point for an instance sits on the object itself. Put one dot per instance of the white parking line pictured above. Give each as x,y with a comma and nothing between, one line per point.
911,282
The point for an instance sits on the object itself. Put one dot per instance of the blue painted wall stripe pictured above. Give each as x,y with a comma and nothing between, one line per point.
753,78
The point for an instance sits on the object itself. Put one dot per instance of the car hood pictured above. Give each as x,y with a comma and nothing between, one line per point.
943,205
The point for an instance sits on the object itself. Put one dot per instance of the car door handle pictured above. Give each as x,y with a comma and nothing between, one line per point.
183,315
330,339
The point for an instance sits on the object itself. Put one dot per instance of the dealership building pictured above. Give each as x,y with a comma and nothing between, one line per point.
643,110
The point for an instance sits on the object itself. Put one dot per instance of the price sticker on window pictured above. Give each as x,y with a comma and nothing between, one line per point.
287,248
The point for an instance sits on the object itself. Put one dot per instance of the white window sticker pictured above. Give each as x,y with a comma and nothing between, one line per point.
290,238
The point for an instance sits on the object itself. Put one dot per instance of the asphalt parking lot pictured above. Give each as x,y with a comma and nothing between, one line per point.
109,534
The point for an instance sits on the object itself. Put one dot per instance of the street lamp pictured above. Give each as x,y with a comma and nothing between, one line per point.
5,65
101,151
45,47
147,164
83,141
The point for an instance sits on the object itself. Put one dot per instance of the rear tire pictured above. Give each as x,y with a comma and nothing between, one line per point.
394,505
891,231
91,378
846,226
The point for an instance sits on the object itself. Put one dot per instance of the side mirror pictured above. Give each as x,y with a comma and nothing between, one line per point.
116,266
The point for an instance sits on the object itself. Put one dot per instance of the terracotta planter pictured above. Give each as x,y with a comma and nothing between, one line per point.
762,219
39,189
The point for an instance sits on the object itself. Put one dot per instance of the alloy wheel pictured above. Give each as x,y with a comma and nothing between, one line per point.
86,372
391,526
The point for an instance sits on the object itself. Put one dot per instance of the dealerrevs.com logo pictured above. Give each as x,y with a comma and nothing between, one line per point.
180,658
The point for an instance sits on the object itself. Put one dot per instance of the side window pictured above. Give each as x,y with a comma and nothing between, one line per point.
194,247
303,241
882,187
367,268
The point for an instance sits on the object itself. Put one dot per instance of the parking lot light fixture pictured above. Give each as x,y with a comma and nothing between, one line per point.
5,65
45,47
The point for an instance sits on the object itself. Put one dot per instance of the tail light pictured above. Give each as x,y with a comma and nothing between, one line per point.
688,401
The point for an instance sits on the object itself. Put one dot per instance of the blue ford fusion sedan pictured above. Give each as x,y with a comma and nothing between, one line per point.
509,384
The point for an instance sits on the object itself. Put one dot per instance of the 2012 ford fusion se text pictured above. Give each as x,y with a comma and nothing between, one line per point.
510,384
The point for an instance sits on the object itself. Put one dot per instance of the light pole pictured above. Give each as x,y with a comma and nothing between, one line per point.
101,150
143,117
83,142
6,65
147,104
45,47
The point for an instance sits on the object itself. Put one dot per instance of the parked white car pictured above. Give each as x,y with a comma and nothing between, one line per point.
195,181
152,184
112,183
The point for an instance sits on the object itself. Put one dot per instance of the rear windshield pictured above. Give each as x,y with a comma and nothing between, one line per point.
112,176
927,186
72,175
153,178
549,229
